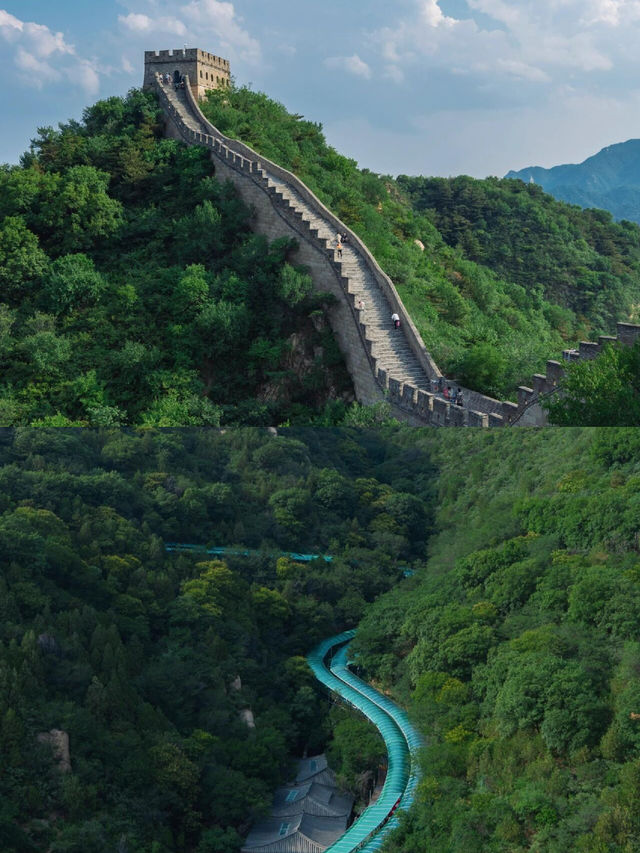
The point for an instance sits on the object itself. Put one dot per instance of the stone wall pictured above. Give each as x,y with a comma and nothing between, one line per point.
204,70
275,217
529,412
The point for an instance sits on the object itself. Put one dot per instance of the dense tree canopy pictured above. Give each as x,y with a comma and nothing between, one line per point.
516,645
135,653
132,290
506,269
581,261
602,392
514,642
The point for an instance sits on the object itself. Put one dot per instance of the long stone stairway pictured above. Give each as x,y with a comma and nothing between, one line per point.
389,346
384,363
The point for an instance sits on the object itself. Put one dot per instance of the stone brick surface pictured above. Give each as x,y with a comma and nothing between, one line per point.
385,363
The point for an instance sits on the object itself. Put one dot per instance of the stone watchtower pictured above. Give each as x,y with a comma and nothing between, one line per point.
205,70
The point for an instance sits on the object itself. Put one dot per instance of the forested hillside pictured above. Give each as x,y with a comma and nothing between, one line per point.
516,646
609,180
132,290
602,392
581,261
508,278
135,653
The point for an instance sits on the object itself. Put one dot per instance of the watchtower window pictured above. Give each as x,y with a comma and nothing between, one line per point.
176,76
201,74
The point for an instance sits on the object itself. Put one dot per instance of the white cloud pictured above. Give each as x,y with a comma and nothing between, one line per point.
10,26
352,64
39,71
43,42
43,56
522,70
433,16
219,20
213,24
138,23
86,75
532,40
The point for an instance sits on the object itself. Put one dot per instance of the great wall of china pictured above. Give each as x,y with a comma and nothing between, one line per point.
384,363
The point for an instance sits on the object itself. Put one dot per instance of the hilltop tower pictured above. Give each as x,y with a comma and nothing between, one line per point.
205,70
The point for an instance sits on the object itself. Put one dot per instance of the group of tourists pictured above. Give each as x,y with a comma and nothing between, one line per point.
166,79
341,239
451,395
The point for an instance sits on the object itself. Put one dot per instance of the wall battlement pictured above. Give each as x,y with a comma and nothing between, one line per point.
277,214
529,412
205,71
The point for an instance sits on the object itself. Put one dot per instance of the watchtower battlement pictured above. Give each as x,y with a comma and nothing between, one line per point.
205,70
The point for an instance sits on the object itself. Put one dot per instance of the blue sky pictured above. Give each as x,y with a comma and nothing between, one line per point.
434,87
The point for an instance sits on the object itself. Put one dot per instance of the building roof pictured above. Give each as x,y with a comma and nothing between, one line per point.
315,769
307,815
296,834
311,798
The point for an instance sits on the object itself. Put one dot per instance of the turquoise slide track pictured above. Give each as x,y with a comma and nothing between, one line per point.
244,552
329,664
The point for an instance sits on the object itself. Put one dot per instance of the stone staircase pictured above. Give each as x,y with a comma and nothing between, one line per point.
388,346
384,363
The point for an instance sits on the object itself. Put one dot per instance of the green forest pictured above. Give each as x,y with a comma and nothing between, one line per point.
135,652
509,276
133,292
514,644
604,391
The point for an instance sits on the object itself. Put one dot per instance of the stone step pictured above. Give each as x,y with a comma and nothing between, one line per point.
388,346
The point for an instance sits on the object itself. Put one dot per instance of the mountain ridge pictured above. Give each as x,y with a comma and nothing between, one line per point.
609,179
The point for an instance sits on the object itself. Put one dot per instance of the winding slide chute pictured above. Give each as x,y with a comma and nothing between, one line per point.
329,664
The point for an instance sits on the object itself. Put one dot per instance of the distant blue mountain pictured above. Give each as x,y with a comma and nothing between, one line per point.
609,180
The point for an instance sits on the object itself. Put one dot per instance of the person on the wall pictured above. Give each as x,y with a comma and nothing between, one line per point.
396,320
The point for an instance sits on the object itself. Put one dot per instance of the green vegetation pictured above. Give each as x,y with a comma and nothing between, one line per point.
509,277
135,653
581,262
609,180
516,646
601,392
133,292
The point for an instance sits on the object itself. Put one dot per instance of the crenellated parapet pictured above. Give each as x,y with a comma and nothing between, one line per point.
529,412
284,206
205,71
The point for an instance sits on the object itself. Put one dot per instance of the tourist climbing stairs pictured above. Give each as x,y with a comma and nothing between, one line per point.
387,345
